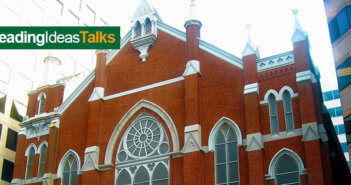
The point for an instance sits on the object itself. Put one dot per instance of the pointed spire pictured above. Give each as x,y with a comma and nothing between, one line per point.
192,19
249,48
192,13
299,34
145,9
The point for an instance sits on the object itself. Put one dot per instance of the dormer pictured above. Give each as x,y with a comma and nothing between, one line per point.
144,28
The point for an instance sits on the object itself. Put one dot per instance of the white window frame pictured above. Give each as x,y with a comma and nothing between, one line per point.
63,161
278,155
44,143
27,155
41,97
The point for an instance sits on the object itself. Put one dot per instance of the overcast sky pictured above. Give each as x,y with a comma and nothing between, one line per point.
224,24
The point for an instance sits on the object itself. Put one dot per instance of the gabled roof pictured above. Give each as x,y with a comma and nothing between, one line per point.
215,51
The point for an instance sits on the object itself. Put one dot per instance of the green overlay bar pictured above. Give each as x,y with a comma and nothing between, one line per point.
106,37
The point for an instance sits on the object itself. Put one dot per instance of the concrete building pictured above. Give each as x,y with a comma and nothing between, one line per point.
331,97
171,108
339,21
21,70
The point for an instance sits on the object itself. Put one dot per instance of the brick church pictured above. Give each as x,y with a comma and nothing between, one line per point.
169,108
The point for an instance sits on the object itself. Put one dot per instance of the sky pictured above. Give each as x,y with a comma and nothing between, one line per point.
224,24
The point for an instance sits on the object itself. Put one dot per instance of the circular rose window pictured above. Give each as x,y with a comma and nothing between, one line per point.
143,137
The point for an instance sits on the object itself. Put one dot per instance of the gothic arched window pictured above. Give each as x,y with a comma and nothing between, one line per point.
287,171
148,26
226,156
41,99
273,114
143,153
137,30
289,118
124,178
42,160
70,171
30,162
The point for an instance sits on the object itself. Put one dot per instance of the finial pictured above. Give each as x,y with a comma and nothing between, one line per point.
295,12
299,34
248,27
249,48
192,14
297,23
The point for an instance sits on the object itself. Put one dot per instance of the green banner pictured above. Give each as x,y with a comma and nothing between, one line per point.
35,37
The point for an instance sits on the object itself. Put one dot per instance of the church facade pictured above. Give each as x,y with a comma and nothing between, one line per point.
170,108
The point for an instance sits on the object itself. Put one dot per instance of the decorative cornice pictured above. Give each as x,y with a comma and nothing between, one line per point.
43,116
275,61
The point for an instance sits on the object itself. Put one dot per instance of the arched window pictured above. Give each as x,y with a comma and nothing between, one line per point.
287,171
70,170
147,26
273,114
226,156
42,160
124,178
143,150
30,163
286,167
160,175
289,118
41,99
137,30
141,177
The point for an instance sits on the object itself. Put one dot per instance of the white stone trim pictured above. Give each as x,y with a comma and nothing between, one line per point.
41,145
249,49
305,75
282,135
41,94
126,118
63,160
278,96
291,91
310,131
215,51
254,142
299,35
270,91
192,67
171,31
158,84
211,139
275,159
32,145
251,88
192,138
98,93
91,158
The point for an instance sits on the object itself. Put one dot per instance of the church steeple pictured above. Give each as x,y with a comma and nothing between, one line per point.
144,28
